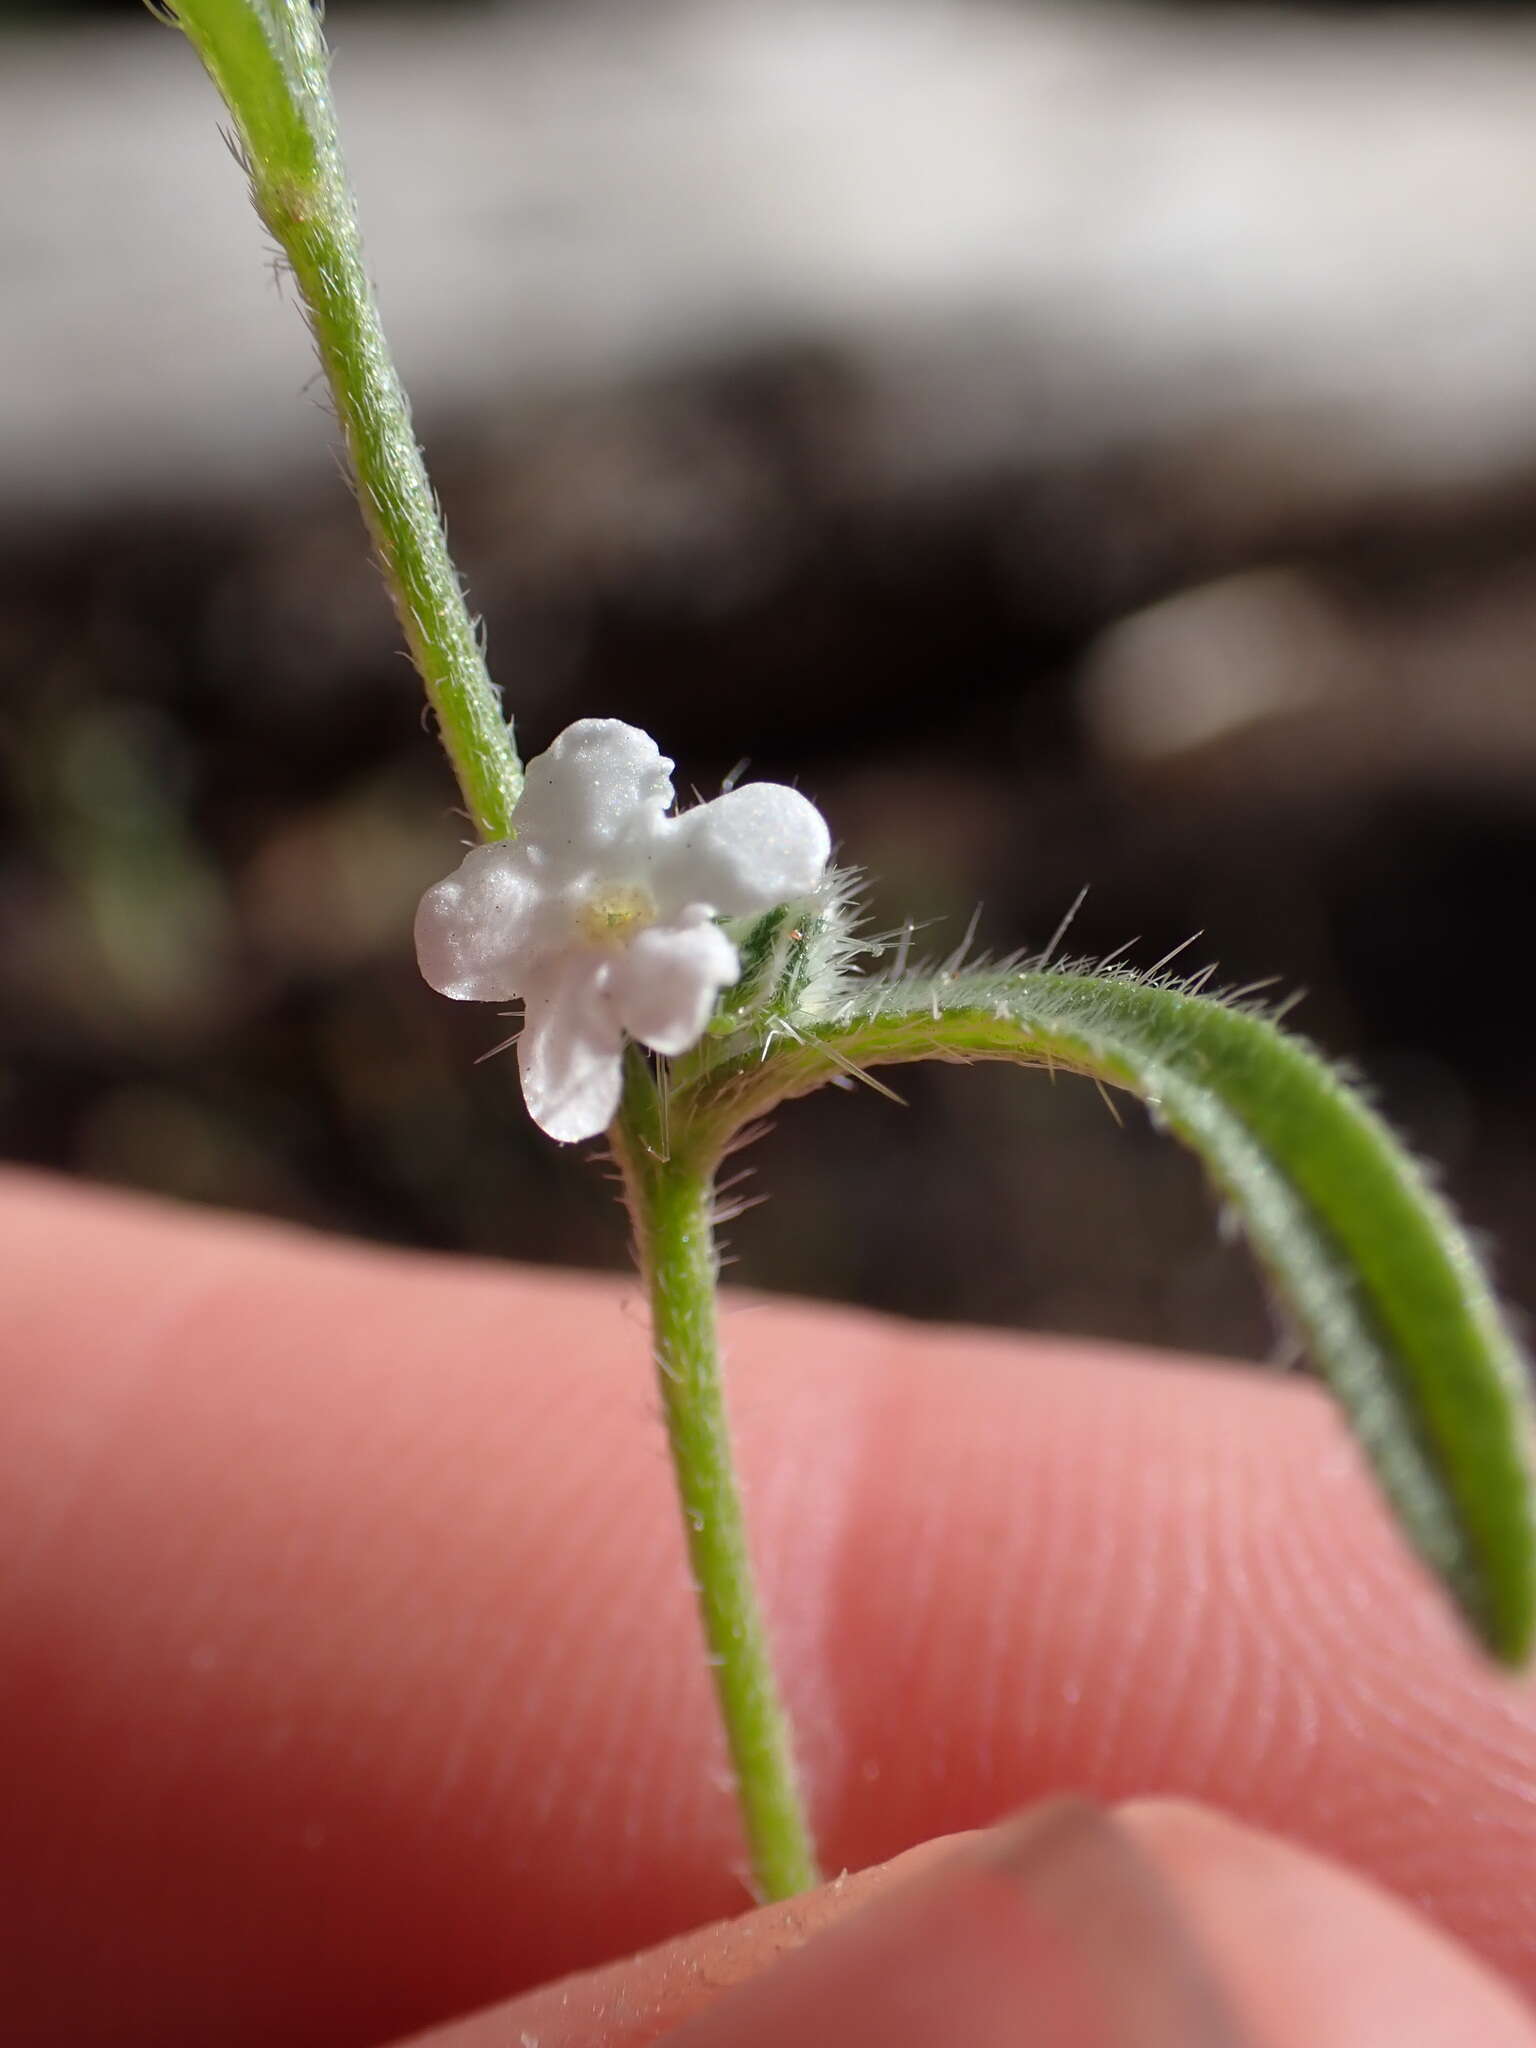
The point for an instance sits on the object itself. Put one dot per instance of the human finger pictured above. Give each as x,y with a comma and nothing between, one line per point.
1161,1927
354,1679
628,2003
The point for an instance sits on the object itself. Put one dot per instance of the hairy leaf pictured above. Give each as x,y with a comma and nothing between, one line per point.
1382,1281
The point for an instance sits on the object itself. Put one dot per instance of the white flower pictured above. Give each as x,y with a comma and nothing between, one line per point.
600,913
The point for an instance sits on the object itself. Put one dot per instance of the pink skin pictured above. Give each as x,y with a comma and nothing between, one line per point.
350,1679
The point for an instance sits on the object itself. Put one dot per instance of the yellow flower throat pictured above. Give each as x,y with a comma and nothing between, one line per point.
613,914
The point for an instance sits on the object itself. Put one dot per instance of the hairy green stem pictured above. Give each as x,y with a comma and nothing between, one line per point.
268,59
671,1200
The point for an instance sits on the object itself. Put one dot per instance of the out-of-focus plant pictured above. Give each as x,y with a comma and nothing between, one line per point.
682,975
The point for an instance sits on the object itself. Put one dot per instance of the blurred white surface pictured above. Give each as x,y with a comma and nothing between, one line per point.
1035,230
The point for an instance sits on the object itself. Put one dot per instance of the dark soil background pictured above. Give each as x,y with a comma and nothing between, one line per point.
220,803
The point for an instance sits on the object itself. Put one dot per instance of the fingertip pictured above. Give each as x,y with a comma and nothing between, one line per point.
1163,1926
1055,1924
279,1519
625,2004
1314,1956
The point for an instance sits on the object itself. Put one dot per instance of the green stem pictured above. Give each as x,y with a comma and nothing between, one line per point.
268,59
671,1201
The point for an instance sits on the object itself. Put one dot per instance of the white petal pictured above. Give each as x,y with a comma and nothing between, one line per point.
743,852
600,789
666,980
478,932
570,1050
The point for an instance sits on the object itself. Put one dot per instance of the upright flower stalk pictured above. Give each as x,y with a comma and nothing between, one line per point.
671,1197
653,959
268,59
602,916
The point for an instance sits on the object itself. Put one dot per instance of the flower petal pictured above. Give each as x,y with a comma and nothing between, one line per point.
666,980
744,852
600,789
479,932
570,1050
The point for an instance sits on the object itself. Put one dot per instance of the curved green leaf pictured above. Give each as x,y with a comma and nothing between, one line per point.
1387,1291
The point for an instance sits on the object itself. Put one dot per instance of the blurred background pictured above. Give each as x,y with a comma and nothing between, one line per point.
1080,444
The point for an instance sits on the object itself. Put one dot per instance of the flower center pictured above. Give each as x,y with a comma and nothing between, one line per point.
613,914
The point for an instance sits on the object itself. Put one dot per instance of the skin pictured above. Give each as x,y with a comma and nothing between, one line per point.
350,1682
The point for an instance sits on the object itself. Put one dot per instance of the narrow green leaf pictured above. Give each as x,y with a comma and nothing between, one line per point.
1382,1281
